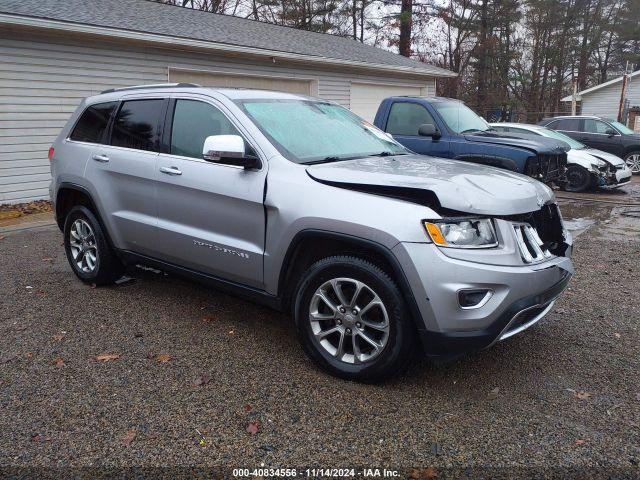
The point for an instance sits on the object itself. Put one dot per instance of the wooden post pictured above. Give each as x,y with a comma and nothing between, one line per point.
574,91
623,96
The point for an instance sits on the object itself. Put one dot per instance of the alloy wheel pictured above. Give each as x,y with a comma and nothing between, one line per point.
633,162
349,320
82,243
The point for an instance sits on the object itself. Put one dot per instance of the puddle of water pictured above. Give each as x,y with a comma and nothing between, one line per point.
601,219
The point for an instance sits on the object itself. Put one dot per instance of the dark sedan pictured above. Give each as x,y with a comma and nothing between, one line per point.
601,133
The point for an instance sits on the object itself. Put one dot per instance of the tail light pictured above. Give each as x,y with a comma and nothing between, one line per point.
51,152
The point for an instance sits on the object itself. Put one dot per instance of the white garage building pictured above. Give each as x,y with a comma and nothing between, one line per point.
53,53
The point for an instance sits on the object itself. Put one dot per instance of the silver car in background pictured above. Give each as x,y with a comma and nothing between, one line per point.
299,204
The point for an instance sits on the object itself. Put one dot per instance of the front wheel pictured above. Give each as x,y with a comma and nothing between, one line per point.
578,179
633,161
352,320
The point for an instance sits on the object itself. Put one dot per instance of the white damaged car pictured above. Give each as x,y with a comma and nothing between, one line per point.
586,167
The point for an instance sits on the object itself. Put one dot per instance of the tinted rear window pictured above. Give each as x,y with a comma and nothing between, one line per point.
93,123
570,124
137,125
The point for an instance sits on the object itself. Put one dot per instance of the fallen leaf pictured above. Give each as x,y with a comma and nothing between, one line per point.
231,332
580,442
203,380
494,392
47,259
617,335
582,395
2,237
163,358
252,427
129,437
423,474
209,318
58,336
59,362
150,355
29,354
248,408
107,357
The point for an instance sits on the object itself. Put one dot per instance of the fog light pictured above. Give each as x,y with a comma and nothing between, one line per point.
474,298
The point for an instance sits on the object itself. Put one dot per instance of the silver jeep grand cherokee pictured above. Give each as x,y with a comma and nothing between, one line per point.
297,203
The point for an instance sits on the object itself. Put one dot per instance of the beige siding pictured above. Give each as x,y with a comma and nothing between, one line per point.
42,80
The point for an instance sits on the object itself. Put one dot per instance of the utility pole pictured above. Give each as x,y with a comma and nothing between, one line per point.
623,94
574,94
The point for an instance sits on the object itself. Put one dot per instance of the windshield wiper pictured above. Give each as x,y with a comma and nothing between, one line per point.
328,159
386,153
471,130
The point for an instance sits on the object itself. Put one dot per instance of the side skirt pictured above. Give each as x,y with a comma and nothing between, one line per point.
237,289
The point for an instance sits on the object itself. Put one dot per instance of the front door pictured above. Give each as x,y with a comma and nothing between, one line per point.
210,216
598,134
404,120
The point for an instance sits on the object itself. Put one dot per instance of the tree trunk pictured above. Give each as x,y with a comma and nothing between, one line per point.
406,18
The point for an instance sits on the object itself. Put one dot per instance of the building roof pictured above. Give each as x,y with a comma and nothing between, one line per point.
597,87
222,32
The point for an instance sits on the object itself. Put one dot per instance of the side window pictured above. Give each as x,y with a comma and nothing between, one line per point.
137,125
595,126
569,124
522,130
93,123
405,118
193,122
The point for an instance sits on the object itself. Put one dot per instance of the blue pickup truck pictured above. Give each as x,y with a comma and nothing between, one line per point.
443,127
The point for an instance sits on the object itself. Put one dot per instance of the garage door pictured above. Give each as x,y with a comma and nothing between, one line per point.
208,79
366,97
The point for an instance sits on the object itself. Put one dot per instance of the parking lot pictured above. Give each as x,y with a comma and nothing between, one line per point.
158,371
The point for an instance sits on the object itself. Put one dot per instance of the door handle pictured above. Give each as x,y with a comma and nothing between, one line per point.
171,170
100,158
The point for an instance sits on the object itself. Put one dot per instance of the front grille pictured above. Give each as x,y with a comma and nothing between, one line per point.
532,248
547,167
546,226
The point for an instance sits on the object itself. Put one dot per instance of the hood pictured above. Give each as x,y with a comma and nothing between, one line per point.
457,185
534,143
607,157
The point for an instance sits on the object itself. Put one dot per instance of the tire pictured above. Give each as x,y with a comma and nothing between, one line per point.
397,344
91,257
578,179
632,159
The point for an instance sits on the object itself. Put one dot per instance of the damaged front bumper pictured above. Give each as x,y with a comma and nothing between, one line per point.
611,176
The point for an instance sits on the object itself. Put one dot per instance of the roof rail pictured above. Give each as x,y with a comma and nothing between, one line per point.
157,85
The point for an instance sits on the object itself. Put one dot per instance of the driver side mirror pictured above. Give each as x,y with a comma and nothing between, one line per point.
611,132
228,150
429,130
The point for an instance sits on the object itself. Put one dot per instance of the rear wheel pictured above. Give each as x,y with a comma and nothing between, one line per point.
352,320
88,252
633,161
578,179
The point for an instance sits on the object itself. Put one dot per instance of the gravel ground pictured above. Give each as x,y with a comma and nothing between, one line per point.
195,367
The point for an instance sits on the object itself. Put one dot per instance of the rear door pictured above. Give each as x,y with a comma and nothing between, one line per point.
403,122
123,171
210,216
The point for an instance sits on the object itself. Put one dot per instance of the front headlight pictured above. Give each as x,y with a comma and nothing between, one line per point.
463,233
